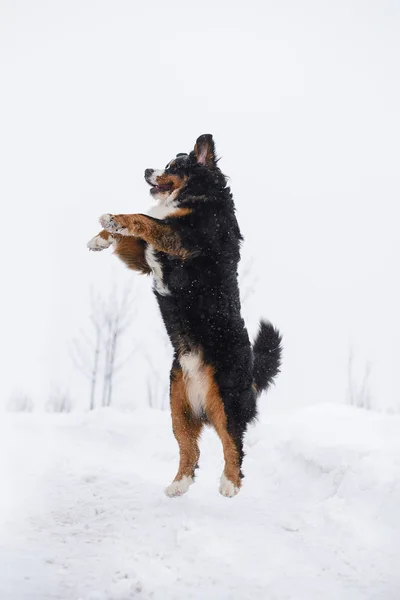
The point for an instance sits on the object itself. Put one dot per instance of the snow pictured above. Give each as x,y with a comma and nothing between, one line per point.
83,515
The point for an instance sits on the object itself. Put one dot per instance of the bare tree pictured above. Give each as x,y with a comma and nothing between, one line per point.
157,381
350,383
20,402
157,386
247,281
59,402
117,313
364,394
96,352
86,349
358,395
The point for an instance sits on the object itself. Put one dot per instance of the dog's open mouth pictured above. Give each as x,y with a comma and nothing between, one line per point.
159,182
155,189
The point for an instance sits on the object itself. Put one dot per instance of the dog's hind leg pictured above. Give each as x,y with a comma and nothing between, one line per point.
230,482
187,429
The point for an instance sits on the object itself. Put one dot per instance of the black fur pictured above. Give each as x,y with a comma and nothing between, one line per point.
203,308
267,355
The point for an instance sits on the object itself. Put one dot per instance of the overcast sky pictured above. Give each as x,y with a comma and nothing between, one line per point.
303,100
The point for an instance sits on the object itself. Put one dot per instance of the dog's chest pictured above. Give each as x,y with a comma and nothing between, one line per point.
160,211
156,268
196,381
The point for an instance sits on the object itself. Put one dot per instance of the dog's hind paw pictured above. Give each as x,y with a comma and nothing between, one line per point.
227,488
179,487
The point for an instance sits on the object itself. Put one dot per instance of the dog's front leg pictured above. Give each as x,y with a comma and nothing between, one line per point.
153,231
102,240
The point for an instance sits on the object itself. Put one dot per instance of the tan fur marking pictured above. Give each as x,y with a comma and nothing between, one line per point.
105,235
216,415
185,426
180,212
175,181
131,251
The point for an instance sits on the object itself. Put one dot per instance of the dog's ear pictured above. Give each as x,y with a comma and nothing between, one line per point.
204,150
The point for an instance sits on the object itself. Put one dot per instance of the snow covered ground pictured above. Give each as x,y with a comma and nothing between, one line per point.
83,514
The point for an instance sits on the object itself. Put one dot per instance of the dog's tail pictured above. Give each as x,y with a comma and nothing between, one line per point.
267,351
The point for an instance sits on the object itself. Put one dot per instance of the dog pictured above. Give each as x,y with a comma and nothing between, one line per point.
190,243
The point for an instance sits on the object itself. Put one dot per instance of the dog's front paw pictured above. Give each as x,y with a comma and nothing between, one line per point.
100,242
113,223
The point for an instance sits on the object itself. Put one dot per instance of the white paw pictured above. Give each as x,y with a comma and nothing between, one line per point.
108,223
98,243
180,487
227,488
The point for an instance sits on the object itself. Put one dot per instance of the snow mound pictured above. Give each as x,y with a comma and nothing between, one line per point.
83,515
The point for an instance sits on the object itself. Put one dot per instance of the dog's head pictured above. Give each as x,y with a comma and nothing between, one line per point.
195,173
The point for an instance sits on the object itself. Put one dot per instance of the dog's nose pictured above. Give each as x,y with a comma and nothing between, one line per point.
148,173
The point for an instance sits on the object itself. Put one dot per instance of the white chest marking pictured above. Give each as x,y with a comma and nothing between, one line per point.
155,266
160,211
196,381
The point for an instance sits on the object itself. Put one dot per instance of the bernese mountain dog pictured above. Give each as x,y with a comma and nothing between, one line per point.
190,243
